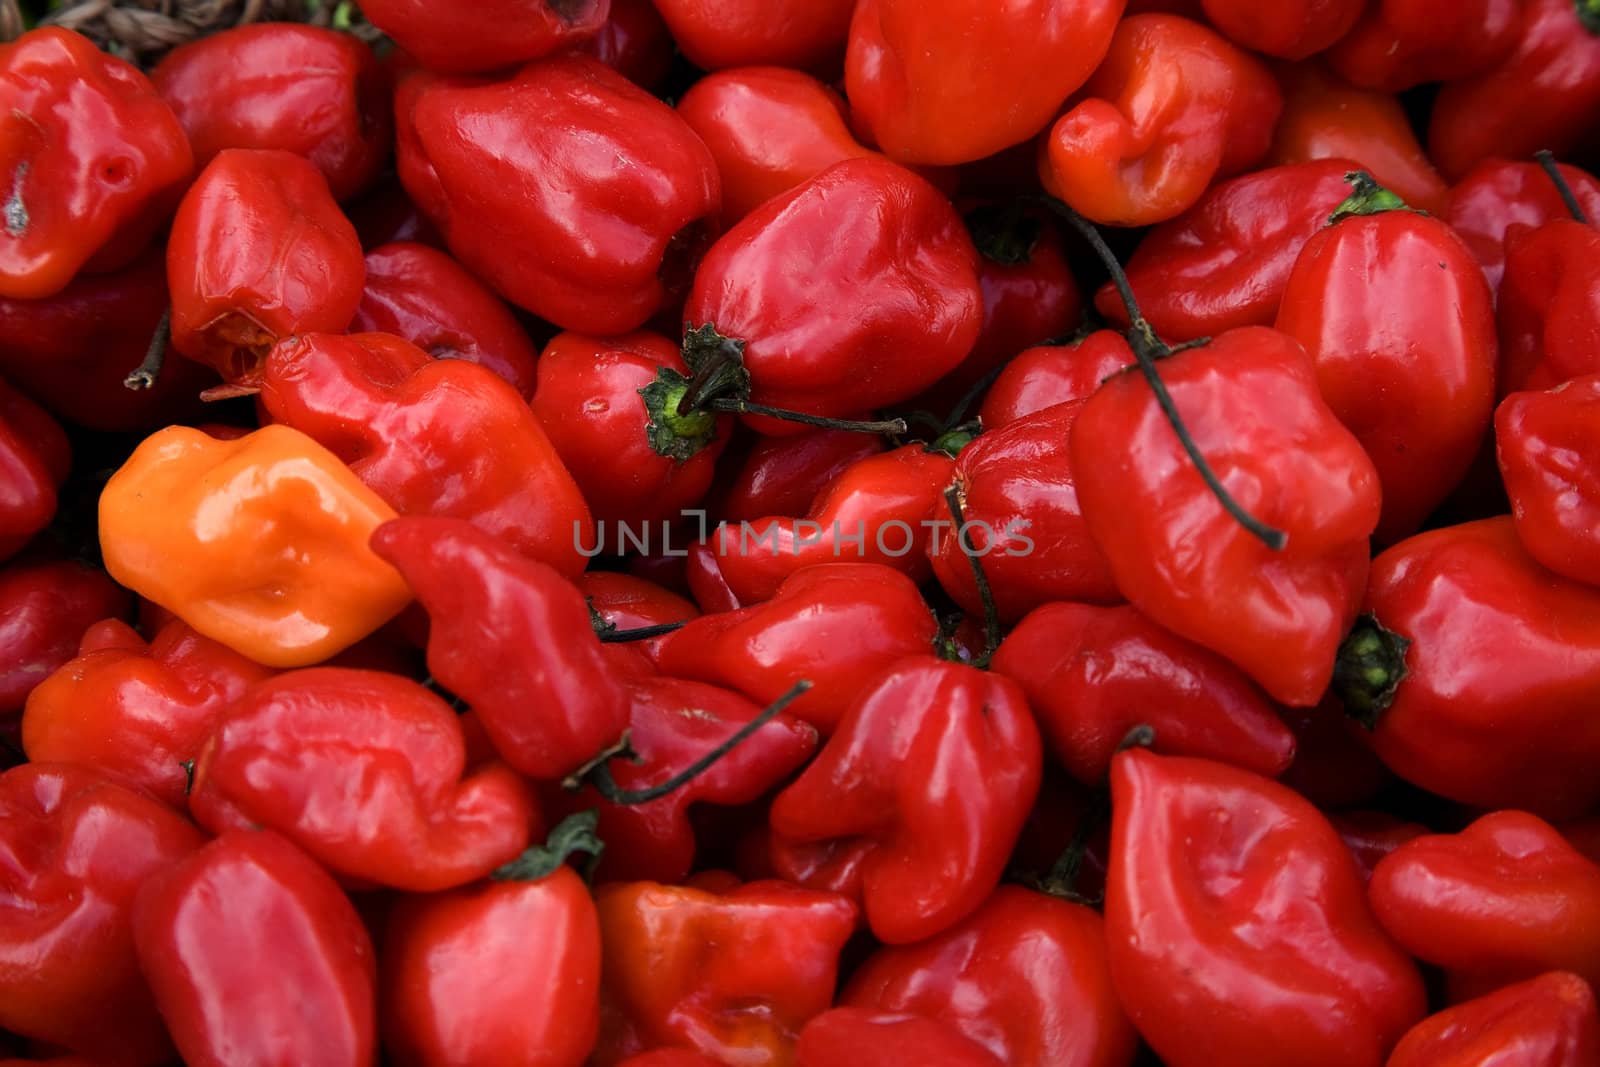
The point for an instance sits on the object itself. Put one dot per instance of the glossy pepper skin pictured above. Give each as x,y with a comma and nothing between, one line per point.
1238,927
368,773
1093,674
1499,196
1505,899
1251,402
259,251
783,475
880,1039
1499,676
35,459
1291,30
1223,263
635,42
1047,375
92,161
1544,94
137,711
733,973
512,638
1550,1020
880,247
838,625
421,294
717,34
74,849
1025,976
493,165
626,601
1540,441
256,956
231,90
493,974
431,437
587,401
1173,107
1549,305
899,770
260,543
484,36
1398,44
45,606
963,80
1405,349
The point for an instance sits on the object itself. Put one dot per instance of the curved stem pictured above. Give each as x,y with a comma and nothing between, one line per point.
991,614
641,633
145,374
735,406
1547,160
575,833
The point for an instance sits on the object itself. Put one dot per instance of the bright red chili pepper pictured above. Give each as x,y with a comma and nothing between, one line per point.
1505,899
256,956
1025,977
1544,94
1092,674
1293,30
627,602
230,90
259,250
883,1039
783,475
1223,263
1497,196
715,34
1399,44
1541,440
1478,677
732,973
421,294
35,459
838,625
1047,375
487,34
432,437
512,638
899,770
137,711
93,161
1550,1020
74,848
960,80
45,606
570,190
1549,305
1172,108
1238,927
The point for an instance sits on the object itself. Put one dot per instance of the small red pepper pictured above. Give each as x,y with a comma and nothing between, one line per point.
1542,441
627,602
487,34
1550,1020
715,34
1047,375
1499,196
1293,30
1399,44
1549,305
783,475
45,606
35,459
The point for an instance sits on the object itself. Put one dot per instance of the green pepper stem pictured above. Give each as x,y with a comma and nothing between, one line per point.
1366,197
991,613
614,636
575,833
1369,668
736,406
155,357
1547,160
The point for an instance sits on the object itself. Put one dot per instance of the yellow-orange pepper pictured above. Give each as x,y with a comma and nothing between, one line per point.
259,542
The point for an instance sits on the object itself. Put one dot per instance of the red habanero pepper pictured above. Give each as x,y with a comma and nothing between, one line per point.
733,973
1019,497
715,34
1293,30
74,849
431,437
1476,671
259,250
783,475
633,41
879,1039
487,34
1254,411
367,772
1238,927
1092,674
1544,94
1025,977
1399,44
421,294
1223,263
1550,1020
588,401
512,638
1173,108
1543,441
304,89
1505,899
1400,323
1498,196
257,956
1549,306
570,190
900,770
1047,375
45,606
963,79
840,625
93,161
137,711
35,459
627,602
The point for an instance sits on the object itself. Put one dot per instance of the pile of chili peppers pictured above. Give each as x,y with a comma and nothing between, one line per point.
831,533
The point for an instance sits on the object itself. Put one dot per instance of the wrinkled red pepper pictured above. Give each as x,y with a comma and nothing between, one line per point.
1541,440
45,606
1047,375
1549,305
1498,196
1549,1020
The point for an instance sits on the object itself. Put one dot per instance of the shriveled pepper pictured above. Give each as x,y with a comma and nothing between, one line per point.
883,1039
900,769
1499,196
35,459
1550,1020
734,973
1047,375
46,604
1549,305
93,160
1238,925
1542,440
258,542
431,437
1398,44
74,849
136,711
1173,107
